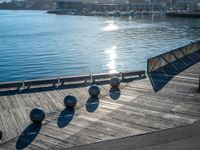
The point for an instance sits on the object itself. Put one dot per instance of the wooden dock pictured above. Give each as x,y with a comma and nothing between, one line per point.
167,98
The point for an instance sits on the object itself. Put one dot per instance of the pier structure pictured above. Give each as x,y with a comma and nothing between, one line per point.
156,110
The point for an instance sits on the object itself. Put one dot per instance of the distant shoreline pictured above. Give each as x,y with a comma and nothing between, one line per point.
26,9
188,15
28,5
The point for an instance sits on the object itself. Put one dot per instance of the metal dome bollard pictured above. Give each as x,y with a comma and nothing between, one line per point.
94,90
70,101
37,115
115,82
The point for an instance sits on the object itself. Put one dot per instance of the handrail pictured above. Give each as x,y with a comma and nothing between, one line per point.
164,59
61,80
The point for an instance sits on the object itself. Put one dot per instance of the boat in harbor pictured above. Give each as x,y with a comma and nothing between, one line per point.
131,13
116,14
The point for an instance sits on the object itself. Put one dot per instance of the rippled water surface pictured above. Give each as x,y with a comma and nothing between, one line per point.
34,44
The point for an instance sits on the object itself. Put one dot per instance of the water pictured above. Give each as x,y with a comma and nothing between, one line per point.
34,44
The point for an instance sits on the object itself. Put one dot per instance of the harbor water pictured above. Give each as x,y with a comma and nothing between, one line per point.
34,44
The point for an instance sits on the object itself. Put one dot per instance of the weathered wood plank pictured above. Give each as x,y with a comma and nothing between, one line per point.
138,110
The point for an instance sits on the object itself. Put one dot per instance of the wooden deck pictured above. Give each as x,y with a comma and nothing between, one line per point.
186,137
135,108
166,99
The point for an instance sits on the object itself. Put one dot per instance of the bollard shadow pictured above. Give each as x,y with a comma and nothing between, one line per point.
92,104
160,77
28,135
65,117
115,93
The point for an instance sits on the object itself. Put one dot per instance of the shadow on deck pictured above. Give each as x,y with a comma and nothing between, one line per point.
28,135
92,104
65,117
160,77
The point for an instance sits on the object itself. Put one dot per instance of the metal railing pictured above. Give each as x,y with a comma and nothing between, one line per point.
171,56
59,81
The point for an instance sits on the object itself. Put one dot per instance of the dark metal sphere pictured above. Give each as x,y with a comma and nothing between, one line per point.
1,134
94,90
37,115
70,101
115,82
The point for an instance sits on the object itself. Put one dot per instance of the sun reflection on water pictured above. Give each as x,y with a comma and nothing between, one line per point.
111,26
112,56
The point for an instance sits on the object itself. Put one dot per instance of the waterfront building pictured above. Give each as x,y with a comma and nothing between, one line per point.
68,4
84,6
92,5
148,5
185,5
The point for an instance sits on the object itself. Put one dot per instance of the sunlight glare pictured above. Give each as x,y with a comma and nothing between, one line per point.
112,56
111,26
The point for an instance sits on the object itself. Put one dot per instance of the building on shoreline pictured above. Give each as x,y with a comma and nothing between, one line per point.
91,5
185,5
110,5
148,6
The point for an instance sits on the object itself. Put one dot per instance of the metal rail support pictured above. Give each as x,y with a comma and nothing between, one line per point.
199,84
121,76
91,79
23,84
58,81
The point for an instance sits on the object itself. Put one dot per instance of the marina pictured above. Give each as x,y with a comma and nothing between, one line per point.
127,8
